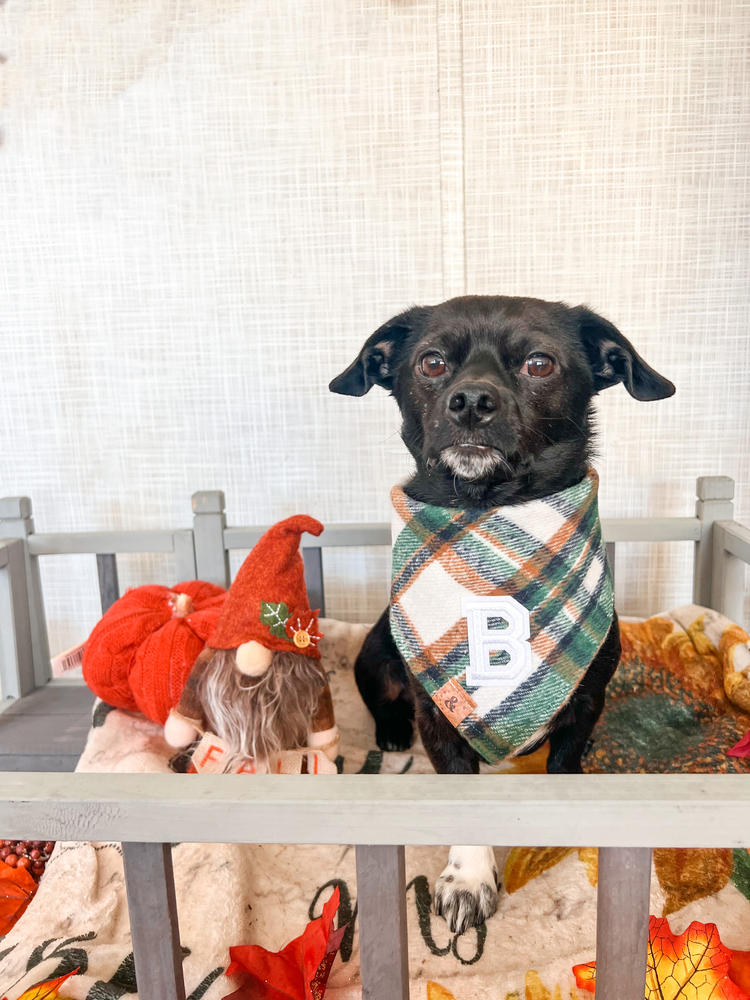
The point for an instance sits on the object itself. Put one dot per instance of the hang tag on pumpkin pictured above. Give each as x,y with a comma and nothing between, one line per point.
69,660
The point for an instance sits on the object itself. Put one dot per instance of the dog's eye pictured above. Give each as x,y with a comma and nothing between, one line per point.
432,365
538,365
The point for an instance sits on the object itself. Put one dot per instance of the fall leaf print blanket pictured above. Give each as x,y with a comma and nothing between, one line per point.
667,710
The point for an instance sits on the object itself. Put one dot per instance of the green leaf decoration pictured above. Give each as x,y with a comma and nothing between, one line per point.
275,615
741,873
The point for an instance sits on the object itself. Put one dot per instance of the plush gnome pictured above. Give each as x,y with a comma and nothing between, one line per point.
259,683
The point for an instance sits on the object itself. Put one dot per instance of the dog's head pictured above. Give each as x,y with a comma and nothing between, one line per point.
495,392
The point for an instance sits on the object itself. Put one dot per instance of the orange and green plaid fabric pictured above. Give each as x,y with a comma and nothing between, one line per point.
549,556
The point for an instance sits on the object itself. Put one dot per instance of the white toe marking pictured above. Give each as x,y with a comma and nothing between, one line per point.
466,890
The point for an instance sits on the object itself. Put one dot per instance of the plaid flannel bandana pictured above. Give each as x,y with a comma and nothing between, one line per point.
499,613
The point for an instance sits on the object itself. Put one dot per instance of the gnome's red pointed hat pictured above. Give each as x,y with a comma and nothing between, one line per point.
268,600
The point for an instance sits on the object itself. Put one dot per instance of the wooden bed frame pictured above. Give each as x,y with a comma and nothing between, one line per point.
378,813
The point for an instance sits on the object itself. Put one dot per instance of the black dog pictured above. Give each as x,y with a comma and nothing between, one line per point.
495,395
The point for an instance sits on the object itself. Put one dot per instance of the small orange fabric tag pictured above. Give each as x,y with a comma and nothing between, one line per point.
454,702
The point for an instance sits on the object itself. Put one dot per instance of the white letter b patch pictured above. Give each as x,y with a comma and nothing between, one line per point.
499,648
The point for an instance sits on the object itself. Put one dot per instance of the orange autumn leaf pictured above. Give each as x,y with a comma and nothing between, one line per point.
299,971
589,858
437,992
733,647
660,642
686,874
585,976
525,863
47,990
534,988
739,969
696,961
17,888
694,965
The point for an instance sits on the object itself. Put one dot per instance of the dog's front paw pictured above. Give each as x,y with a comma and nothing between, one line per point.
466,892
394,732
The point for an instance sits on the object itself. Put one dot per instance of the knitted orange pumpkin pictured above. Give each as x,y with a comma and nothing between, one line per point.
140,654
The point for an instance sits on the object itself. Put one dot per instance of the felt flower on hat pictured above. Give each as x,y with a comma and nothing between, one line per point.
302,629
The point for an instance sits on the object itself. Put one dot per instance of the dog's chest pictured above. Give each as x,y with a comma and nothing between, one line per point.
499,613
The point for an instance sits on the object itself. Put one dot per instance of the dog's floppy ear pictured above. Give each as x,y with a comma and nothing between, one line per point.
378,360
613,359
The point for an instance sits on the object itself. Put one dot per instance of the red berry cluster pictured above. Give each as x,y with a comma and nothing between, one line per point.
30,854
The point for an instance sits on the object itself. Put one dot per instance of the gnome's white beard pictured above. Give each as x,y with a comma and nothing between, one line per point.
259,716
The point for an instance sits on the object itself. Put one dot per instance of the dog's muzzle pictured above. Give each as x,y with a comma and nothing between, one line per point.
472,461
475,422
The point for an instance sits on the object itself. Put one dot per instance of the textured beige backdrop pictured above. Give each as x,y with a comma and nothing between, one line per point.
206,206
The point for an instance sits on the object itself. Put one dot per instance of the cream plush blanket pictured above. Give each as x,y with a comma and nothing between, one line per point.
230,894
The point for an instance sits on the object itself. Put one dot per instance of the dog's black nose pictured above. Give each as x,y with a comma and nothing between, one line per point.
472,403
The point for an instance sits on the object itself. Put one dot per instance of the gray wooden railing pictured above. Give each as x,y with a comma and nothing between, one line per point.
380,814
626,815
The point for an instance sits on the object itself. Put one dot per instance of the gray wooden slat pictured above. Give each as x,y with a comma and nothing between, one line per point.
56,698
95,542
60,732
154,928
650,529
313,560
714,488
184,554
57,762
109,585
334,536
735,539
731,553
684,810
16,522
714,503
633,529
381,909
16,650
614,529
622,922
209,522
11,508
